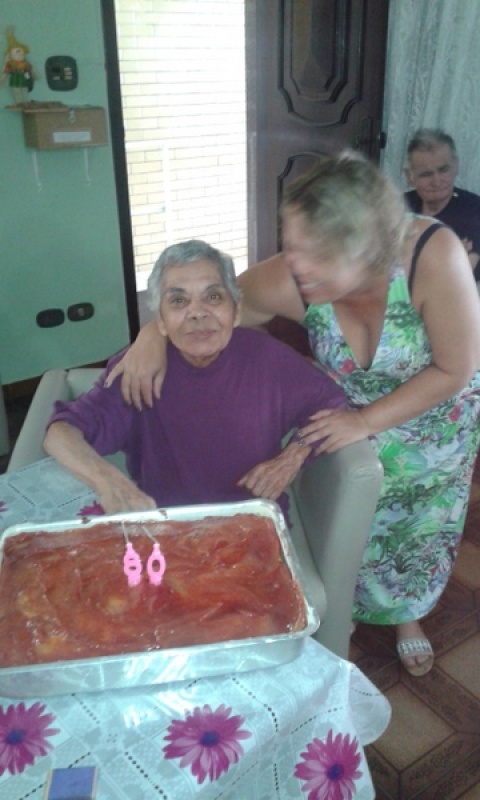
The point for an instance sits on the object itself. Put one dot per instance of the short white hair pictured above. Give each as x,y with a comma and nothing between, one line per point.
189,252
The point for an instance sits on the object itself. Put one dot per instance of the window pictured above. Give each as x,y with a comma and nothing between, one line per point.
182,72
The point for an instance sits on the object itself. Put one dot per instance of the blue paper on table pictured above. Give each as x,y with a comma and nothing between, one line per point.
73,783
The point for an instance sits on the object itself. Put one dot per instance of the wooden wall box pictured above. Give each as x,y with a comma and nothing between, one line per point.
64,128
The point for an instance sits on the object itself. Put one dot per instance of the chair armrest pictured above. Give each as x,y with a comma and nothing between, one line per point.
81,380
336,497
312,582
28,447
56,384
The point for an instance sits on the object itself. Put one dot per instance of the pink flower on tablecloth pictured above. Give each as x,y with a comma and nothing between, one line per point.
208,741
95,510
330,768
3,506
23,733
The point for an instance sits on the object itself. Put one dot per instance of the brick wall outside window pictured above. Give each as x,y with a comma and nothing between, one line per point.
182,70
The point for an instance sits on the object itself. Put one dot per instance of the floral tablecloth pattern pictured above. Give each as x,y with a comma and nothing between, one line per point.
293,731
43,492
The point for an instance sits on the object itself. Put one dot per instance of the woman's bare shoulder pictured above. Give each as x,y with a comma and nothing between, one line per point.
444,284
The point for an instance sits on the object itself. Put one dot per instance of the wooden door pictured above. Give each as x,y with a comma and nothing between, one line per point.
315,78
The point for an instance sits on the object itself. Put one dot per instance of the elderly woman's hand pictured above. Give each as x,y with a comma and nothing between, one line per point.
270,478
121,494
336,428
142,368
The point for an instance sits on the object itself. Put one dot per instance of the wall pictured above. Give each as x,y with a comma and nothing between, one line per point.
59,233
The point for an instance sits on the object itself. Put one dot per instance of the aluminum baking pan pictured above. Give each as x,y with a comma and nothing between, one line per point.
169,665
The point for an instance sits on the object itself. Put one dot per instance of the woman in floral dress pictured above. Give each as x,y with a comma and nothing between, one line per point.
393,316
428,462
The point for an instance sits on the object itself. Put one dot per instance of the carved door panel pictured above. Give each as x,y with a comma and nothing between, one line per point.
315,79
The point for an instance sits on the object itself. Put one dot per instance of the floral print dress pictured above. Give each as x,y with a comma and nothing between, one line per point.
428,463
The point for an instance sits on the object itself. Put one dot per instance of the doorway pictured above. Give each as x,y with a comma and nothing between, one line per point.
182,79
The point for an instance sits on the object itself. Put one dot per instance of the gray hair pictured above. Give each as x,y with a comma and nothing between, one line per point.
427,139
351,207
188,253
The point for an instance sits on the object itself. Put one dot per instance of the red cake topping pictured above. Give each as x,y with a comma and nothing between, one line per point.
64,596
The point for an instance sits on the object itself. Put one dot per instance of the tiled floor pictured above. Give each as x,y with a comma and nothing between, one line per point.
431,749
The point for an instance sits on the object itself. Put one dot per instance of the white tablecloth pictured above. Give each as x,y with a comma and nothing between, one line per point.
251,736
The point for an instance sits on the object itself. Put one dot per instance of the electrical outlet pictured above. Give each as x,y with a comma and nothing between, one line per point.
50,317
80,312
62,73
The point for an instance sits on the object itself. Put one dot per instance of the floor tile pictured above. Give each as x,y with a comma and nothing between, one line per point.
429,776
385,777
413,731
461,782
456,628
467,567
474,493
472,794
456,595
447,698
472,528
463,663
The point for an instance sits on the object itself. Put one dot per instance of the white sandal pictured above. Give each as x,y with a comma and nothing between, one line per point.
411,648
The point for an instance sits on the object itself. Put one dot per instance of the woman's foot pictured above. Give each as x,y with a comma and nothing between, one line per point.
414,649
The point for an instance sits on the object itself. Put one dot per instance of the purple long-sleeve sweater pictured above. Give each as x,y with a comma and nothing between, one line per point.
210,425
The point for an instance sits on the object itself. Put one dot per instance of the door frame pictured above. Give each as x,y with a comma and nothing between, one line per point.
117,129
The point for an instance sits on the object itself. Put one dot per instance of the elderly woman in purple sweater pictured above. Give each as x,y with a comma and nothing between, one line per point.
229,399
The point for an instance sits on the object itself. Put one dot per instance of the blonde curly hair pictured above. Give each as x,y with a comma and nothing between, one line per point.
351,207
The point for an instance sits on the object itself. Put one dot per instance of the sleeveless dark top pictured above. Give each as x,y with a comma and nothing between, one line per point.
422,240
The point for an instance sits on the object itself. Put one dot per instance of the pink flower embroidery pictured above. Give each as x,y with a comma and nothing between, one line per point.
3,506
22,736
95,510
347,367
454,415
330,768
208,741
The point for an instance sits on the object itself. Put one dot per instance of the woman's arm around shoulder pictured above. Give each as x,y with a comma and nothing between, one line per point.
142,369
269,290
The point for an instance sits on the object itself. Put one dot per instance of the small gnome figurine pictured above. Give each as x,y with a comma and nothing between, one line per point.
17,70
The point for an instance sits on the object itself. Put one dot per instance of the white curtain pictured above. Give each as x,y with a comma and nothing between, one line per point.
433,80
